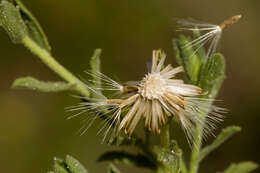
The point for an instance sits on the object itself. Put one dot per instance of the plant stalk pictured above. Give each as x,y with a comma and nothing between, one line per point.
194,163
165,136
46,57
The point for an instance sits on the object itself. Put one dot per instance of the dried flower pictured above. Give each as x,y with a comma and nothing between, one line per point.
156,98
212,35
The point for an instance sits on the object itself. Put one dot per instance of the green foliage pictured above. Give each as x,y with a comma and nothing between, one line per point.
225,134
120,140
139,160
34,84
95,67
243,167
186,57
69,165
11,20
205,72
169,158
112,169
74,165
35,30
60,166
212,75
19,23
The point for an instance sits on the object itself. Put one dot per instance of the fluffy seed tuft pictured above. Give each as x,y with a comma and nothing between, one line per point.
156,98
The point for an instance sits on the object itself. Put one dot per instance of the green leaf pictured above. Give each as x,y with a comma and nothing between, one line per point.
177,50
95,66
224,135
212,75
35,30
126,141
112,169
34,84
243,167
60,166
74,165
128,159
11,20
200,49
187,57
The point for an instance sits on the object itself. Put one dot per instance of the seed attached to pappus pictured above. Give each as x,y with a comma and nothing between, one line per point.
211,33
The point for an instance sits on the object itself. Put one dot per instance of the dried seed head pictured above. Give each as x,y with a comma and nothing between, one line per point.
153,86
155,98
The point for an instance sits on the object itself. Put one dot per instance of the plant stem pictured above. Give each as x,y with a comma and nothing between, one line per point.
46,57
165,136
194,163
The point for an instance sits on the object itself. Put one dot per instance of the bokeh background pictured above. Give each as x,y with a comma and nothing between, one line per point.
33,125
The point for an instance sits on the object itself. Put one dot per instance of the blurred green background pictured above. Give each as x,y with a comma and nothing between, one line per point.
33,125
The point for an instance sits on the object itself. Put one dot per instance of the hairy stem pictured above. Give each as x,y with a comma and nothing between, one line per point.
194,162
46,57
165,136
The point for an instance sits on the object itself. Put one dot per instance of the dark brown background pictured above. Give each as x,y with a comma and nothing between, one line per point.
33,126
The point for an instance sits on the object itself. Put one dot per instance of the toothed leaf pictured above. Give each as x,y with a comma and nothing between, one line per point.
34,84
224,135
128,159
74,165
243,167
212,75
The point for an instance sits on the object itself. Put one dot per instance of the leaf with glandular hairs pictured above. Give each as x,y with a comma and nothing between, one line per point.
187,57
128,159
60,166
243,167
212,75
35,30
35,84
95,66
224,135
12,22
74,165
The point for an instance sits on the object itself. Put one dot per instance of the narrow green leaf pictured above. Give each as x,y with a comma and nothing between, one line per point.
212,75
34,84
74,165
60,166
198,47
177,50
12,22
112,169
187,57
243,167
128,159
95,66
224,135
34,28
125,141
